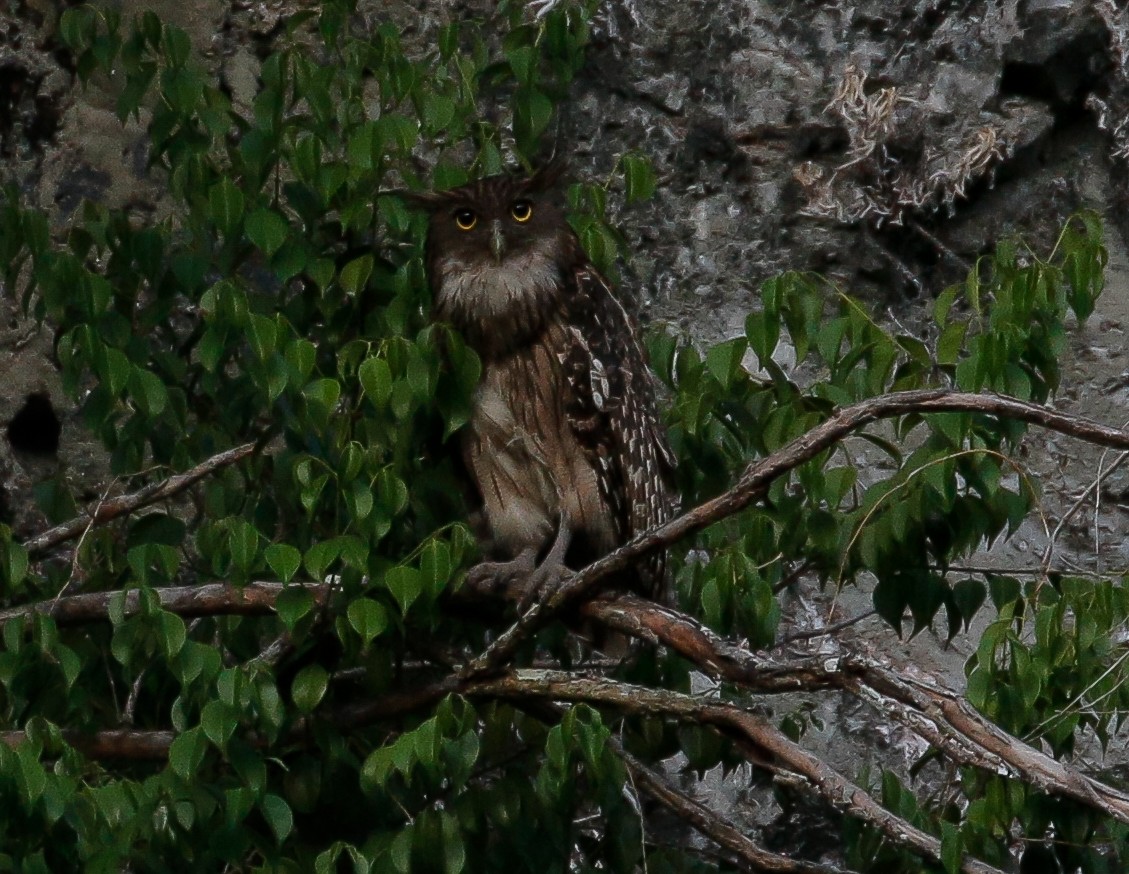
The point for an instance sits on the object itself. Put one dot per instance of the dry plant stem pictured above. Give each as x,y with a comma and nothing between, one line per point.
112,508
757,478
758,737
712,826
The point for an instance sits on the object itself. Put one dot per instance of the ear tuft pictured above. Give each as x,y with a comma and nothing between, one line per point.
428,201
548,175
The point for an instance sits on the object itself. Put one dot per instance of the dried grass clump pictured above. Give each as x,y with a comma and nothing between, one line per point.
876,186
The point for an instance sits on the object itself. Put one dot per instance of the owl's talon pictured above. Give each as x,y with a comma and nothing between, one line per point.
503,577
539,585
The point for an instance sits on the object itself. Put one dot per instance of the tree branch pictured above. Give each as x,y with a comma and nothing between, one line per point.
208,599
939,715
763,744
759,475
712,826
105,511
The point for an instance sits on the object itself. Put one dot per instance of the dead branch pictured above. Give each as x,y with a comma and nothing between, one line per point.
122,505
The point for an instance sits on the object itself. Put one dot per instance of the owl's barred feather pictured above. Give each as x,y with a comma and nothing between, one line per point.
564,430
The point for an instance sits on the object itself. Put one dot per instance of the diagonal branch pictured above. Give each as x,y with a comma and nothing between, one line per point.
712,826
763,744
940,715
759,475
108,510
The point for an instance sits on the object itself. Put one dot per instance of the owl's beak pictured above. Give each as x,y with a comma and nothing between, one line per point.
497,241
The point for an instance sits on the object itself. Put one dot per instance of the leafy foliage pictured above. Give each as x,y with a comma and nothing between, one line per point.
281,302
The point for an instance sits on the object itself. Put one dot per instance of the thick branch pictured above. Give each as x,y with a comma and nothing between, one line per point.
209,599
758,476
136,744
112,508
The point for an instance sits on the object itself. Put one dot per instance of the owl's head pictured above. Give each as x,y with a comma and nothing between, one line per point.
496,250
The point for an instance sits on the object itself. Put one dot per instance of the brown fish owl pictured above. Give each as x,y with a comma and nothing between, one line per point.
564,442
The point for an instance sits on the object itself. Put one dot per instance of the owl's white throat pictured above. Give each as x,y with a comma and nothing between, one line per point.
499,305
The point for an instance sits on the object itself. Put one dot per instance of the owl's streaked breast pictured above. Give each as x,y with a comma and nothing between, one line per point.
526,458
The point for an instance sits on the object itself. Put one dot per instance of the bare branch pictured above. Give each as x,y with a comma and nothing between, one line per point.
112,508
136,744
209,599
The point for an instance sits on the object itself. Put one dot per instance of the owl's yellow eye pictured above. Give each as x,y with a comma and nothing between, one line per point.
465,219
522,211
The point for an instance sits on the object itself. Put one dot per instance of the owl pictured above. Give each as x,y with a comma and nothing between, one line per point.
564,443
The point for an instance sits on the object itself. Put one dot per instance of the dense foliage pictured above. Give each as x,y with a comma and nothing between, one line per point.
282,301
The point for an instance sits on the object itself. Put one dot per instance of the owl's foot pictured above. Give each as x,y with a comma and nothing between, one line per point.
521,578
503,577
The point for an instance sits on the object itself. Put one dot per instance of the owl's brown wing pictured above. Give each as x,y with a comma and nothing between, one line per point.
611,409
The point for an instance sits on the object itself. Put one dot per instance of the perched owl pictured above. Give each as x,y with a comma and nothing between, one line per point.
564,443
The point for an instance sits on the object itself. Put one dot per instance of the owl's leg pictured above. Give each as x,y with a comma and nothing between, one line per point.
552,572
522,578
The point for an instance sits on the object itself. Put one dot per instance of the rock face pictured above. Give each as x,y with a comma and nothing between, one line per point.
884,144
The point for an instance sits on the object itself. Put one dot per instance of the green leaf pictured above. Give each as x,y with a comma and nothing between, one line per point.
225,207
324,391
32,777
15,564
532,112
283,559
301,355
639,179
404,584
320,556
376,379
293,603
173,633
724,360
368,618
187,752
267,230
218,720
763,333
243,539
454,853
264,336
278,816
435,566
309,687
149,392
354,275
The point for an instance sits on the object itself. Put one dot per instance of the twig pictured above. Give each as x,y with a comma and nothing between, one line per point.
834,628
107,510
